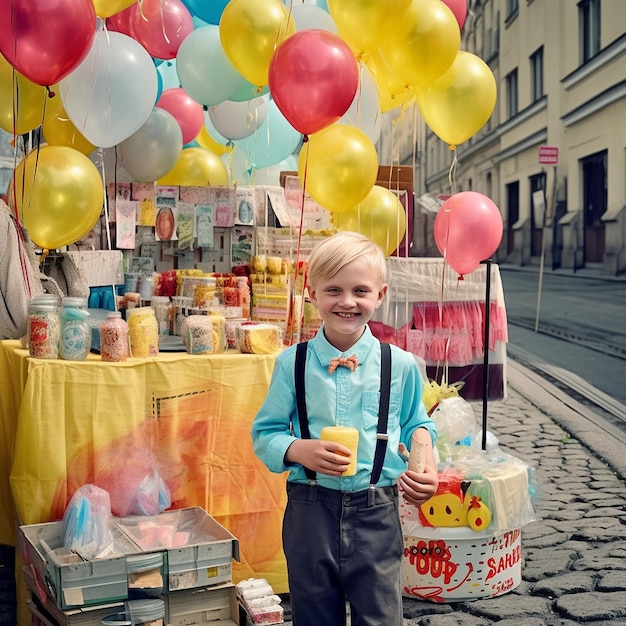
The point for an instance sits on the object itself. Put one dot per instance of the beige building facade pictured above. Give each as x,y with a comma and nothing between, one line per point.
560,70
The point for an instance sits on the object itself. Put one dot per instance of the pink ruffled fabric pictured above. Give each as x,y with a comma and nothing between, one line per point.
451,333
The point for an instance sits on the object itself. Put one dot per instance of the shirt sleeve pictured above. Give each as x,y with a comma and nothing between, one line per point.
271,429
413,414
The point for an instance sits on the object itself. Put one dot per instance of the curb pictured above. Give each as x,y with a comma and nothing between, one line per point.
602,439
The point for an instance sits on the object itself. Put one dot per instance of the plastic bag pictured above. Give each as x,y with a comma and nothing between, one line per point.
152,495
86,520
456,425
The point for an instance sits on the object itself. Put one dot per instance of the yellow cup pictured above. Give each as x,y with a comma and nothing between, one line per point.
346,436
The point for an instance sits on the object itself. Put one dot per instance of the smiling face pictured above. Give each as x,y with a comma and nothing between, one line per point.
347,301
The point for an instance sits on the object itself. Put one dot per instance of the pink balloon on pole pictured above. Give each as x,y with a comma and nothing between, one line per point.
187,112
459,8
468,229
313,78
160,26
46,39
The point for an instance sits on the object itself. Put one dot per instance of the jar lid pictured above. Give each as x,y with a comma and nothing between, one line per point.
142,310
73,301
42,306
114,314
160,299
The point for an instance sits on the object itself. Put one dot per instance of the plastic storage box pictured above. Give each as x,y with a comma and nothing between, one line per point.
196,551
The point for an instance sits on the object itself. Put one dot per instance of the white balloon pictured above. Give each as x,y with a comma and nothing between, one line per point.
208,124
307,16
153,150
111,93
236,120
364,112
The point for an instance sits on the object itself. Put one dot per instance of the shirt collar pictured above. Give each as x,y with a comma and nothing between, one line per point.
325,351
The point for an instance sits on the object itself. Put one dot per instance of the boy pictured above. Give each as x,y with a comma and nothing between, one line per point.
341,534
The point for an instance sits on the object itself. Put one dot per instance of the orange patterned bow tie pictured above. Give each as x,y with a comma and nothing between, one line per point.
351,362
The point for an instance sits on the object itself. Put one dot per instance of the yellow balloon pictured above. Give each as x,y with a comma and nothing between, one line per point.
205,140
392,90
459,103
59,195
106,8
338,166
250,31
425,45
380,216
196,167
365,24
21,101
58,130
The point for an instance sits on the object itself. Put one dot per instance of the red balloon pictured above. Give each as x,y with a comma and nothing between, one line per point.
468,229
459,8
160,26
187,112
120,21
313,78
46,39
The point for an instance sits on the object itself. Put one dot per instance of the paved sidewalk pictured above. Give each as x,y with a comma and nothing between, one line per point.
574,569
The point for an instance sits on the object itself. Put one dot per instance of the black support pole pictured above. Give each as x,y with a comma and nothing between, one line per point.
487,264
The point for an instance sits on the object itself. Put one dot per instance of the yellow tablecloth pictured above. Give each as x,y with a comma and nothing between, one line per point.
65,424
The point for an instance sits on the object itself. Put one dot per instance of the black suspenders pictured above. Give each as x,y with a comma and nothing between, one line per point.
383,409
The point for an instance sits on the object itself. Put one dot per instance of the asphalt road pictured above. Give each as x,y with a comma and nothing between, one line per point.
572,327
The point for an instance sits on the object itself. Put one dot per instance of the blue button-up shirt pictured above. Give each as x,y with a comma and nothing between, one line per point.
343,398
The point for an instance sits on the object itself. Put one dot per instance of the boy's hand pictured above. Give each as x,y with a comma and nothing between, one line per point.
325,457
418,488
420,481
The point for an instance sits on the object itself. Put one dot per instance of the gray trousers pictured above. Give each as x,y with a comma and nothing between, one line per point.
340,547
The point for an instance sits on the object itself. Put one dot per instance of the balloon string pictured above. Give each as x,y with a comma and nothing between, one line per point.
452,172
16,213
291,325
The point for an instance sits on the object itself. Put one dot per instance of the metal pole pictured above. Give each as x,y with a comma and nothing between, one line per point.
548,209
486,351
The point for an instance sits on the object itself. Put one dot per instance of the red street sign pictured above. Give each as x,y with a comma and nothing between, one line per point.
548,155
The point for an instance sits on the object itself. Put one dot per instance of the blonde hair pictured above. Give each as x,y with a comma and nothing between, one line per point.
332,254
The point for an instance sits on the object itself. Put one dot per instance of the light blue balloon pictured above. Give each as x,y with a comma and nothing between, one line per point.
208,10
274,140
198,23
159,86
167,70
204,71
247,91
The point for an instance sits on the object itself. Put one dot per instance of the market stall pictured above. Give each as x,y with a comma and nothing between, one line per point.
187,418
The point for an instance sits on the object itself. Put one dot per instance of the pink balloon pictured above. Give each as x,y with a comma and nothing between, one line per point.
160,26
46,39
459,8
313,78
188,113
468,229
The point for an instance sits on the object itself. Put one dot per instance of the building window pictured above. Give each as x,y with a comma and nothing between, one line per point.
511,94
536,74
512,7
589,29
